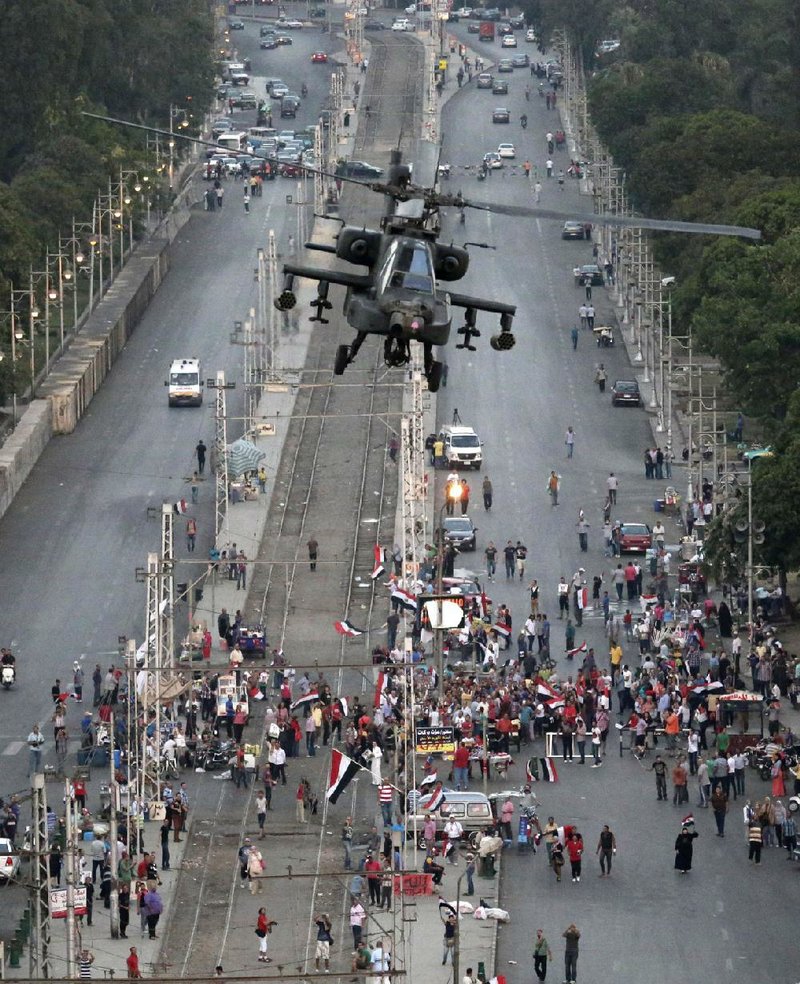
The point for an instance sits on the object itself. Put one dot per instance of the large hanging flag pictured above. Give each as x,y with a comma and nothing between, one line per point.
378,569
347,628
380,687
341,772
405,599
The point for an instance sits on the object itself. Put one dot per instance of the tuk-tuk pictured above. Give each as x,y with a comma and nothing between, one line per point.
253,642
604,335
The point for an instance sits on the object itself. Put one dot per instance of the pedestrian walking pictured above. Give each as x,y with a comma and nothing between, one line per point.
488,493
575,852
541,954
313,548
324,940
659,766
754,841
684,849
537,191
600,376
572,935
606,848
246,200
191,534
263,929
449,940
200,452
557,859
347,843
553,487
549,168
590,317
569,441
261,812
719,804
153,907
220,193
357,917
574,335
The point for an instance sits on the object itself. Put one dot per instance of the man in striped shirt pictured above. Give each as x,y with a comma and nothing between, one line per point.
385,794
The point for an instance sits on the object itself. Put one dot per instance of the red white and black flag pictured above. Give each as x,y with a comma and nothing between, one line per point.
341,772
306,701
180,507
578,649
378,570
434,801
347,628
405,599
503,629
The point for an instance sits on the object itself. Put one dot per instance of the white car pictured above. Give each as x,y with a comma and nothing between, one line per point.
506,150
493,160
291,25
9,861
509,41
463,12
530,35
401,25
411,8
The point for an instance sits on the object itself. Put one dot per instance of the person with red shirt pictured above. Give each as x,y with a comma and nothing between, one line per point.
461,767
575,852
132,963
373,869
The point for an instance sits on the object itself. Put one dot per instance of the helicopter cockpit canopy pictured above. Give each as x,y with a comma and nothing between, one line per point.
408,265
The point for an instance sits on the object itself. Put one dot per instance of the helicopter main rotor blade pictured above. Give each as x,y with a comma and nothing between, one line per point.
620,221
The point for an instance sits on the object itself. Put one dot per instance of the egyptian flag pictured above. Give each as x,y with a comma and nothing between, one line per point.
578,649
430,780
501,628
342,771
582,598
547,692
548,767
688,821
180,507
532,770
434,801
310,698
378,570
555,703
405,599
346,628
344,706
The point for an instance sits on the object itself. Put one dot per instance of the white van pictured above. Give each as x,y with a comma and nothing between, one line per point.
185,383
401,24
462,447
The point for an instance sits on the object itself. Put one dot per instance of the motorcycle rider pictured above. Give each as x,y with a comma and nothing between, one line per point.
523,120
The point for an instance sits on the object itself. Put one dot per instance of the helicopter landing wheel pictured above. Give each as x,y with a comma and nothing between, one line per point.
434,376
342,360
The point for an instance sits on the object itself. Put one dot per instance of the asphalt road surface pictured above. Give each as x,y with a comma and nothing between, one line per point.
76,534
724,921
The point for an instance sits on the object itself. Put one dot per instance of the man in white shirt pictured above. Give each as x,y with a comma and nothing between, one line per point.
381,959
452,831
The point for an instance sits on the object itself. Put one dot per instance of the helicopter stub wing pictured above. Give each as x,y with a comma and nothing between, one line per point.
331,276
481,304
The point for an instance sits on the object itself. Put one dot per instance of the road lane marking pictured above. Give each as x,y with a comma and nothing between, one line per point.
13,748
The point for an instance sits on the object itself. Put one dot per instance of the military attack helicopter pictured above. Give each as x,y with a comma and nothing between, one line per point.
401,297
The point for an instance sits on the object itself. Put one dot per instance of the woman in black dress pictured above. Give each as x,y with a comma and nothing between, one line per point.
684,849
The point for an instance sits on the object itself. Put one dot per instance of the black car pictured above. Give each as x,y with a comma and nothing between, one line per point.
500,87
460,531
236,25
268,43
520,61
283,39
501,115
289,108
374,25
473,28
357,169
625,393
265,31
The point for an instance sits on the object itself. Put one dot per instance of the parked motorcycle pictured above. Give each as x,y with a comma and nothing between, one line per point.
214,756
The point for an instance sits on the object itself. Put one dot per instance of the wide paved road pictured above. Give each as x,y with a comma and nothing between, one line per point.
75,535
726,921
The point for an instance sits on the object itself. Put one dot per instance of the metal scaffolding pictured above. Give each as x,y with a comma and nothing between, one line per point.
412,444
319,181
220,461
39,951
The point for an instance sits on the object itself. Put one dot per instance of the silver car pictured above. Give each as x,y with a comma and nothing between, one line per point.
9,861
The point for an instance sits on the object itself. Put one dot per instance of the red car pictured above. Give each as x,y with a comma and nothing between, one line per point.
319,56
635,538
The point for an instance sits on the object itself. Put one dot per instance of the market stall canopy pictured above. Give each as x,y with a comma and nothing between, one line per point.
243,456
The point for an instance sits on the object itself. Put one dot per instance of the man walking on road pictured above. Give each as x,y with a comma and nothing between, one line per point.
313,547
606,847
200,451
541,954
612,484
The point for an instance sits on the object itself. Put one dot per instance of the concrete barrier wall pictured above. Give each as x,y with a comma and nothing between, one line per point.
63,397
